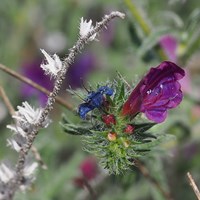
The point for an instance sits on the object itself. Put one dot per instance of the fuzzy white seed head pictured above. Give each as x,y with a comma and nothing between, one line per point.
14,144
29,175
17,130
6,174
29,170
53,64
85,28
26,114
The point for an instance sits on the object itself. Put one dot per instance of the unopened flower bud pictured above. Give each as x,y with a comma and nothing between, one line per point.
129,129
126,143
109,119
112,136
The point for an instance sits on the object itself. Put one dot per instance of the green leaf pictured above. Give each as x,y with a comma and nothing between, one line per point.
150,145
120,91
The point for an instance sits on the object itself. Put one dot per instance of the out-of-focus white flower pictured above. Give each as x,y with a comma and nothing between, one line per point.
6,174
55,41
53,64
85,28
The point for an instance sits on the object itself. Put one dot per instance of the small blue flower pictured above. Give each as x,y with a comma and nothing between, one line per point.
94,100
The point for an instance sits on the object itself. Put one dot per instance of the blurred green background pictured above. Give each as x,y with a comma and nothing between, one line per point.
153,31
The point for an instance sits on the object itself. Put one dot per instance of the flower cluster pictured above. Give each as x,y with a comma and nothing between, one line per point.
117,134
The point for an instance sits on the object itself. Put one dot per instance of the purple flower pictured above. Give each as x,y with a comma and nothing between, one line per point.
169,45
81,68
89,171
157,92
33,71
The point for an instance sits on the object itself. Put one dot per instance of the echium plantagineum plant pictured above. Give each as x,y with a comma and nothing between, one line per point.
114,128
28,120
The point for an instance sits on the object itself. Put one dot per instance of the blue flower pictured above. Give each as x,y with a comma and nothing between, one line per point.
94,100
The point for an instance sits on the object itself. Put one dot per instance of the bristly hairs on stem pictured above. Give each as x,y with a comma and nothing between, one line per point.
87,34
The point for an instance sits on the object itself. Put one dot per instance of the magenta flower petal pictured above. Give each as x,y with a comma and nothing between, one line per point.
156,114
157,92
169,44
89,168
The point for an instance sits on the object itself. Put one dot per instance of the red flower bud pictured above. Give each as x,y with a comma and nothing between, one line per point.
129,129
109,119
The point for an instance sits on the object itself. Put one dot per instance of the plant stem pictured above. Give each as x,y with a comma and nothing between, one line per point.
193,185
35,85
147,175
6,101
136,13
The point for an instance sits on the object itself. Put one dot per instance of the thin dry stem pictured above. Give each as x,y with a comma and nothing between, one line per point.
52,96
91,191
6,101
193,185
38,157
147,175
28,81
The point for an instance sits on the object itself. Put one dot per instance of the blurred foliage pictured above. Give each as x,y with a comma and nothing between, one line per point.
126,46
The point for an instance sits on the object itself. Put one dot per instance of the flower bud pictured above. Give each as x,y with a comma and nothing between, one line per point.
109,119
112,136
129,129
126,143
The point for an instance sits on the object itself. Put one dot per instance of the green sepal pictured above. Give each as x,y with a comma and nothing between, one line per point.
149,145
120,92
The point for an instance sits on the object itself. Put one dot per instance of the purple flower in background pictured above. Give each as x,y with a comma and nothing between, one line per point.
80,69
33,71
89,171
157,92
76,74
169,45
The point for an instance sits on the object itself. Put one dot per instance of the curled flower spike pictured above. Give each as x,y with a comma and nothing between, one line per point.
94,100
53,65
85,28
157,92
